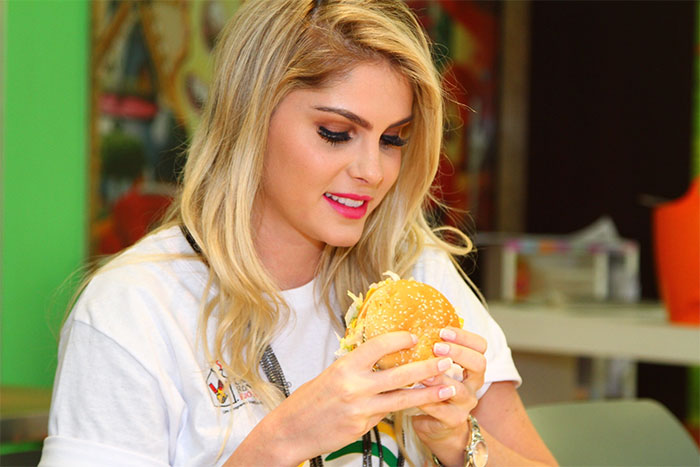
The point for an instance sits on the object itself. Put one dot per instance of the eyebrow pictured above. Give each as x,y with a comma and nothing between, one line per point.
357,119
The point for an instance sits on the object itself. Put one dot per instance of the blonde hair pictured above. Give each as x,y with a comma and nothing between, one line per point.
270,48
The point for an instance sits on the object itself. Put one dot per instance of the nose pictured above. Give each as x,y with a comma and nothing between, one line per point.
367,167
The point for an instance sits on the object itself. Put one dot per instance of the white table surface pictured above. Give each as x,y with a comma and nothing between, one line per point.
639,332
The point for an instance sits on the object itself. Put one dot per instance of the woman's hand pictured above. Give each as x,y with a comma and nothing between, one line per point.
345,401
444,428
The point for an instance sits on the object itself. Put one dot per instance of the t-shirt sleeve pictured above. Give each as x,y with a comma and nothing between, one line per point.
436,269
107,407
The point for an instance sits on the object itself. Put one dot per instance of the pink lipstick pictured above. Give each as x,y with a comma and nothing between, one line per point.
348,205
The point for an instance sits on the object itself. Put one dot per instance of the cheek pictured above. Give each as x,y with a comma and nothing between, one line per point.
287,161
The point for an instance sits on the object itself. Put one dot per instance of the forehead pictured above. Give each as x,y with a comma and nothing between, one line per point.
372,90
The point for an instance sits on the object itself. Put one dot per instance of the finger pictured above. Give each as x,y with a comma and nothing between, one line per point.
368,353
428,427
432,381
454,410
438,380
468,358
401,399
465,338
447,414
411,373
463,394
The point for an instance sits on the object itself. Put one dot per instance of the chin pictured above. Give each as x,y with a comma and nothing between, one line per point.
343,239
344,243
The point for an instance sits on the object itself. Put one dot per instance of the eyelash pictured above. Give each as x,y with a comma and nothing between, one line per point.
393,140
334,137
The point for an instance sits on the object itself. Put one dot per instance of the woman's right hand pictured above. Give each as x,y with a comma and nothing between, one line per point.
341,404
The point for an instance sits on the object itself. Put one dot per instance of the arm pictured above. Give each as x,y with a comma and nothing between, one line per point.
510,436
107,409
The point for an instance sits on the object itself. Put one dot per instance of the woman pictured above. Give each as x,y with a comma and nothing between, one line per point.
306,179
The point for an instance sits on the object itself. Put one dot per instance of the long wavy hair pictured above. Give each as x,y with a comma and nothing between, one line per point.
270,48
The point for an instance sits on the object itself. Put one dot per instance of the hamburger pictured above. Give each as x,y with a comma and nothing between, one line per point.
399,305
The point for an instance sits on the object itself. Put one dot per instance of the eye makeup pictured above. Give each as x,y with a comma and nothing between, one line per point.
335,137
393,140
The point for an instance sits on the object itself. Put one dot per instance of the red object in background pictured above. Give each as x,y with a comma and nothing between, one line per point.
128,107
677,249
132,216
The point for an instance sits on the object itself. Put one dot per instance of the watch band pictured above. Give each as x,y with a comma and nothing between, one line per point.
476,452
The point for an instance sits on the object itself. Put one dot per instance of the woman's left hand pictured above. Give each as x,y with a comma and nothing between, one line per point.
444,428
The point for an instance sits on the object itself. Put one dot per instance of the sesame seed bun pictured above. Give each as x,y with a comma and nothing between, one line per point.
401,305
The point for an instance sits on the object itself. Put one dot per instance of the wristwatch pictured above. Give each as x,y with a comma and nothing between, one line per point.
476,452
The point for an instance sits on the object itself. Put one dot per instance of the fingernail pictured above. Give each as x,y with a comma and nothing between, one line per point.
440,348
414,338
444,364
447,392
429,380
448,334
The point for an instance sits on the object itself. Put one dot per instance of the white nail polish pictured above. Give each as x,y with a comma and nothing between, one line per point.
440,348
445,364
448,334
446,393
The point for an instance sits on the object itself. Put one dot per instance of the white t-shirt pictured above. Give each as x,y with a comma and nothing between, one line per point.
133,386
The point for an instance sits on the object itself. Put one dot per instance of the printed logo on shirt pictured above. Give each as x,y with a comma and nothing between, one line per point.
352,453
228,396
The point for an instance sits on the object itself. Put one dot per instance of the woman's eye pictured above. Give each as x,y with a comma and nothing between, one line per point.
393,140
333,137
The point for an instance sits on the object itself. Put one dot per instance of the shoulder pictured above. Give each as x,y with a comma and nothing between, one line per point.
153,275
432,260
435,267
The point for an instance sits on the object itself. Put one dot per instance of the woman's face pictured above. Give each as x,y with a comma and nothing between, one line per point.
332,155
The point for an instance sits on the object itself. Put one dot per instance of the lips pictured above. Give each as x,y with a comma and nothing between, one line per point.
348,205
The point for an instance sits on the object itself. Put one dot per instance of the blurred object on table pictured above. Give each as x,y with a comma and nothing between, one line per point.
591,265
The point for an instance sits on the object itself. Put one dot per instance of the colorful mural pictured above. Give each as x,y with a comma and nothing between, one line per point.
150,69
466,37
150,74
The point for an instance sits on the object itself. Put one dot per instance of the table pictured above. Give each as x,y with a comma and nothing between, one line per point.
24,416
639,332
603,332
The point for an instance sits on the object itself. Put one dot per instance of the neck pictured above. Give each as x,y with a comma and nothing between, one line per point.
289,266
289,258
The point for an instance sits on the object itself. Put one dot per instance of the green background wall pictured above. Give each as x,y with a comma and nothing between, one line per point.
44,173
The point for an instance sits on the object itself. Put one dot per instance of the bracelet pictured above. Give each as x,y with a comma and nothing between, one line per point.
475,452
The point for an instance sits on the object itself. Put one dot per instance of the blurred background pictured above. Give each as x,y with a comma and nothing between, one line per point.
570,156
